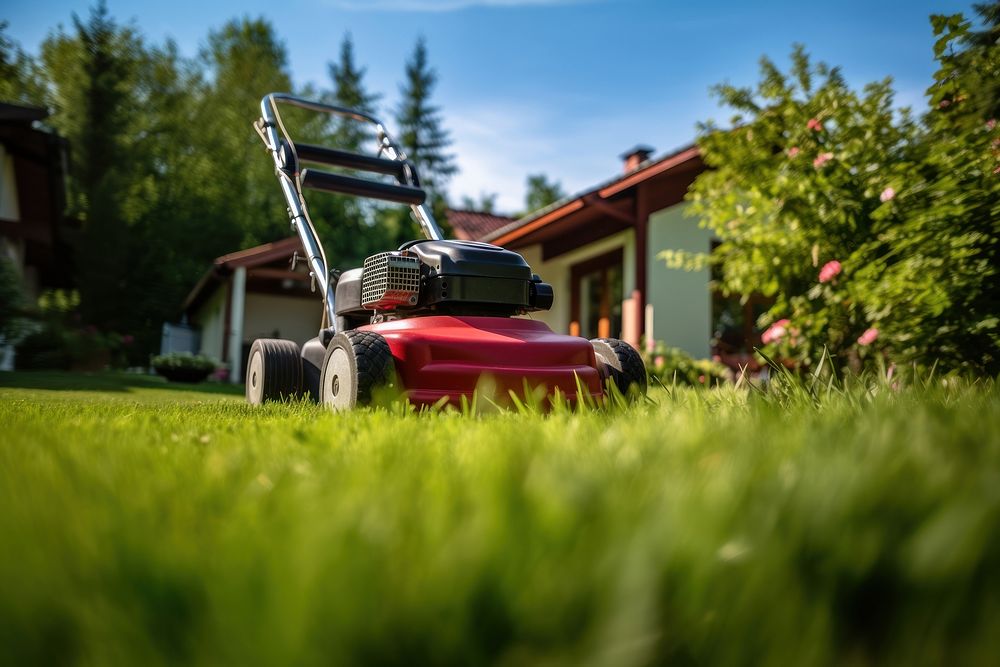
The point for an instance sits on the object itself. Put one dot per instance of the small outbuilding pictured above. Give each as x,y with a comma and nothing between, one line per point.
255,293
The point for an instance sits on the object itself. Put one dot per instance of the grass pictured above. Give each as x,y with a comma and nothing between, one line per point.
848,524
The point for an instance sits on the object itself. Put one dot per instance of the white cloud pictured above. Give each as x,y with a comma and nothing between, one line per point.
443,5
499,142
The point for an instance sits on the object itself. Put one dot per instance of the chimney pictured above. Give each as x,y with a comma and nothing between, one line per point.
635,156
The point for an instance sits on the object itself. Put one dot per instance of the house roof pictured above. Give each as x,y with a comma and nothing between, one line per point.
260,255
249,258
474,225
593,196
21,113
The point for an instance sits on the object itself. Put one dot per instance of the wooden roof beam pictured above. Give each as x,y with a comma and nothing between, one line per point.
608,209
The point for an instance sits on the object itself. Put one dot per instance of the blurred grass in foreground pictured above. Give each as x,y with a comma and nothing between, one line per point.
853,525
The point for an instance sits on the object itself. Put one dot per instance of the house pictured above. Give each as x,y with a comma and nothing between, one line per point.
245,295
34,233
598,249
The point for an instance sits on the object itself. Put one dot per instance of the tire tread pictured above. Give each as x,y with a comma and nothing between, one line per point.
633,371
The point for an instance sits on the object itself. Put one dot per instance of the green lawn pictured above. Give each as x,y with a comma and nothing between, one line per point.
144,524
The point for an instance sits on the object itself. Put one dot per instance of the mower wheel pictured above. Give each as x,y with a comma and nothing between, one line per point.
620,363
274,371
357,364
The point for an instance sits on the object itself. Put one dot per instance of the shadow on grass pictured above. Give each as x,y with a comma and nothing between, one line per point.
108,381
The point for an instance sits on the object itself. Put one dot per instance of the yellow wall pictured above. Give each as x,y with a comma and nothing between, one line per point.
556,272
275,316
682,302
211,319
293,318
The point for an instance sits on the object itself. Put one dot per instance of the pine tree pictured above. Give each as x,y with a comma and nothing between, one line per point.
94,70
419,128
349,91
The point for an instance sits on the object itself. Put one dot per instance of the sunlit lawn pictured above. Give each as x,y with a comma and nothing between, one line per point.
142,523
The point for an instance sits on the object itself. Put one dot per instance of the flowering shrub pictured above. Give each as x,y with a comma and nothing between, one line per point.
671,364
56,339
876,234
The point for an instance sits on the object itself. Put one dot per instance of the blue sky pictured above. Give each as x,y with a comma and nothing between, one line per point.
554,86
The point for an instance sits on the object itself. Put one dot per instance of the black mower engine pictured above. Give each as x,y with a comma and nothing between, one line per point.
439,278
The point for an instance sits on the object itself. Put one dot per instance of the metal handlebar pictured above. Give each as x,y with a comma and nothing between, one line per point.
272,131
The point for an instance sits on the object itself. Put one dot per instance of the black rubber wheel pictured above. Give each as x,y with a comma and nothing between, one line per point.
621,364
274,371
357,364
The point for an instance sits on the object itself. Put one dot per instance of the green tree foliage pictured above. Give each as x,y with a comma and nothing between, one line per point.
876,234
244,60
20,80
541,192
966,60
11,298
487,202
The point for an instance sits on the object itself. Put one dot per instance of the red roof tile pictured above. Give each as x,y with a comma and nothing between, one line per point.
474,225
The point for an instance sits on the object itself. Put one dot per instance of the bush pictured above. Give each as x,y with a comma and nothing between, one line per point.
58,342
671,365
45,349
875,232
183,366
12,301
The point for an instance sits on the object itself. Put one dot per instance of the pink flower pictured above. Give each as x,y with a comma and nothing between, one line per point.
944,104
128,339
887,195
775,332
814,125
822,159
701,379
659,361
793,151
868,337
829,271
991,124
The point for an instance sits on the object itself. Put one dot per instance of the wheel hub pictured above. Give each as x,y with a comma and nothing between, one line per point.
338,390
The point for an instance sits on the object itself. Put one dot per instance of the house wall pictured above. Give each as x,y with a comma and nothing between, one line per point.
211,319
681,300
556,272
275,316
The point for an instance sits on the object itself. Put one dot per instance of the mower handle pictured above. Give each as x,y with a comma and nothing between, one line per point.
284,152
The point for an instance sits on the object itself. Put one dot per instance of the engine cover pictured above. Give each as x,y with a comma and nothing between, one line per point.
463,276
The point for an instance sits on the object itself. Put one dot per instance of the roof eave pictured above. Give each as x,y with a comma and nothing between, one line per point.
604,190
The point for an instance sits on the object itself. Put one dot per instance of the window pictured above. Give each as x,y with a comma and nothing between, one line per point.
596,299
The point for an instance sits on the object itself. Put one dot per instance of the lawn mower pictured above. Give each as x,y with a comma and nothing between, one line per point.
434,319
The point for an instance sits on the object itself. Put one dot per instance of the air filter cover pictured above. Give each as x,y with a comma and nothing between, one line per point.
390,280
